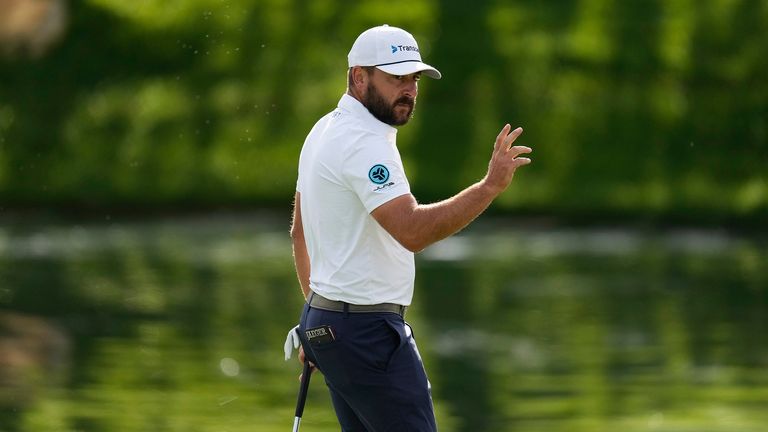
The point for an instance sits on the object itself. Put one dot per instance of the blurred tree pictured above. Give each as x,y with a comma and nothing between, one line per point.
630,108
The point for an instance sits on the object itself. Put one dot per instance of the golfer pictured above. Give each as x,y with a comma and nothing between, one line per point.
356,227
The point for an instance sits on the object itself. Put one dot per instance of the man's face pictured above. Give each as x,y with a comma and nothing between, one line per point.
391,98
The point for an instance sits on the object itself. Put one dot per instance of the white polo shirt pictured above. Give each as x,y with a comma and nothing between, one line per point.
348,167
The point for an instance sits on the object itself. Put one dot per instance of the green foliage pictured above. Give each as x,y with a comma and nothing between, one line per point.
653,107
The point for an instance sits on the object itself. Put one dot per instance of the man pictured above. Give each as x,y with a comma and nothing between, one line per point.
355,229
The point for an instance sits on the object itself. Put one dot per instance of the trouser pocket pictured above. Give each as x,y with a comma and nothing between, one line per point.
389,341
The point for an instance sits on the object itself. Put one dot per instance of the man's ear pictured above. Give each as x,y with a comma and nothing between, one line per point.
359,77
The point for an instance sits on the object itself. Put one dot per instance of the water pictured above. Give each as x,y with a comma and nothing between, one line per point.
178,325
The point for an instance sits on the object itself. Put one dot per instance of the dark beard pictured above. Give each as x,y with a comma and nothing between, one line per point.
379,108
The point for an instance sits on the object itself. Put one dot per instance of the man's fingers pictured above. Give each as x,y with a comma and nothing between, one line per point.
521,161
312,370
509,139
502,135
302,357
515,151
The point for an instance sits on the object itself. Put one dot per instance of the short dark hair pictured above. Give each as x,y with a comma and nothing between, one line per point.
350,83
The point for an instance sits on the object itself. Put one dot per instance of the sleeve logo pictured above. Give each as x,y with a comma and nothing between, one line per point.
378,174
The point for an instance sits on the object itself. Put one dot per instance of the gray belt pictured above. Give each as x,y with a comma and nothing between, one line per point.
319,302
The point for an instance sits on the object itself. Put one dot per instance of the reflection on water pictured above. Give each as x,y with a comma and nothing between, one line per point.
178,324
33,354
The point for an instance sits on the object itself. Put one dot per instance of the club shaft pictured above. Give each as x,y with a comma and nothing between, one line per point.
306,374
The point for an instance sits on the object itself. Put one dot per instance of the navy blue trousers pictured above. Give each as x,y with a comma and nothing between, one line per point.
373,371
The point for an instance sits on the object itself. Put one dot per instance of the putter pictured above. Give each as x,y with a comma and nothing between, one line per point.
305,375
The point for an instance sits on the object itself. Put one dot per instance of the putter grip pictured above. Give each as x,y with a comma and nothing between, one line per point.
306,374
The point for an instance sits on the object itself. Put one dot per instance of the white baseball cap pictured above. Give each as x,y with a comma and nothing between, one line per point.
390,49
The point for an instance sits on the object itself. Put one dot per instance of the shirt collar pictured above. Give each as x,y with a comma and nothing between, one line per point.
359,110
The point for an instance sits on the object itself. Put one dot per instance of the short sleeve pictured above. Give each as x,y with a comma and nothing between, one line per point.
298,183
374,170
299,176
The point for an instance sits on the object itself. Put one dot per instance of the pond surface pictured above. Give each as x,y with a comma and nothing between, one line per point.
178,325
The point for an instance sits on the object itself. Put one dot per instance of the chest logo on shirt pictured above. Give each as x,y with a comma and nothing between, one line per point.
378,174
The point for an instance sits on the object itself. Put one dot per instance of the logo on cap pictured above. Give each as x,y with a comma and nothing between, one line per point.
378,174
396,48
